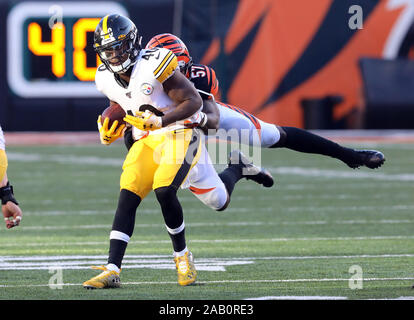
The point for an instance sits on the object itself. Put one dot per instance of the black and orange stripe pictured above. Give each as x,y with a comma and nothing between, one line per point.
214,85
252,118
172,43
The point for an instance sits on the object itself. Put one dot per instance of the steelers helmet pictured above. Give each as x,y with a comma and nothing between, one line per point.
176,45
117,42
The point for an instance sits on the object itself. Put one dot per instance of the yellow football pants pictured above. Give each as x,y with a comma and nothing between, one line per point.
3,164
160,160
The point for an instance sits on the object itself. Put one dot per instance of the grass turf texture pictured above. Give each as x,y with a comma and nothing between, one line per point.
298,238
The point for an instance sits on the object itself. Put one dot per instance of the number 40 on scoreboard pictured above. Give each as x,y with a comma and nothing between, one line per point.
54,60
56,48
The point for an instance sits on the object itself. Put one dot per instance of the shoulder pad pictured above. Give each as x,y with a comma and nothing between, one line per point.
163,62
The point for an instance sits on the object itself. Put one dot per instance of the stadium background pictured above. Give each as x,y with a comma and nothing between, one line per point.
291,62
294,62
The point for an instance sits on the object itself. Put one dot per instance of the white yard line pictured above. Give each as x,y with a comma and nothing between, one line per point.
300,171
100,243
164,262
247,281
340,174
65,159
224,224
161,258
319,209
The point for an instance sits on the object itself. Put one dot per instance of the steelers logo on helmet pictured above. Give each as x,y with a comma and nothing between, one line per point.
117,42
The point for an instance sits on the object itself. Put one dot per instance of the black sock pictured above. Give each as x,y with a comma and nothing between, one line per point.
123,226
230,176
173,216
116,252
307,142
178,241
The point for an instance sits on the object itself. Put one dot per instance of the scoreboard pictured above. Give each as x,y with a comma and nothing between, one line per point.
50,53
48,64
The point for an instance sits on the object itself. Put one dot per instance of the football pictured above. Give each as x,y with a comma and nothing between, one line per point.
113,112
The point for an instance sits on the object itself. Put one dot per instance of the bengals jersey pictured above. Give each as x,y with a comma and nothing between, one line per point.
145,89
205,80
260,133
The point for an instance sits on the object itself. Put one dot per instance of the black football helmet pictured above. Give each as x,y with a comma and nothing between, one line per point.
117,42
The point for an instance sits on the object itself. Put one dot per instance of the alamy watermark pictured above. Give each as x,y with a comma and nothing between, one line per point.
356,280
56,17
56,280
356,21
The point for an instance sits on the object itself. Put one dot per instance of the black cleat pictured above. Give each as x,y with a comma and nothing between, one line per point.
250,171
369,158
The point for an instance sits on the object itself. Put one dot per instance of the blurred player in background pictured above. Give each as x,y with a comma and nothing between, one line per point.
9,205
267,135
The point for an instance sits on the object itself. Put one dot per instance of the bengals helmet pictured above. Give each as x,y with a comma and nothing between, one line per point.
117,42
176,45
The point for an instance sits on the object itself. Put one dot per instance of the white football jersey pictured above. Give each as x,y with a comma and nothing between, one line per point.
145,90
2,143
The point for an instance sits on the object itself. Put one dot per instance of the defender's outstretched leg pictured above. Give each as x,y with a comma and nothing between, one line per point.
304,141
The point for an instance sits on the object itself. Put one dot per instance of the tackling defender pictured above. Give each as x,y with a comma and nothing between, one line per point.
228,117
9,205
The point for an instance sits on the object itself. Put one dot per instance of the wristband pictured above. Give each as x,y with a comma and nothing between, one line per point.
6,194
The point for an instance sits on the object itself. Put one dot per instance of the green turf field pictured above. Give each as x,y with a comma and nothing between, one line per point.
300,238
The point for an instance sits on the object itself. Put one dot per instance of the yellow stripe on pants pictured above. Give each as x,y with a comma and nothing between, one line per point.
3,164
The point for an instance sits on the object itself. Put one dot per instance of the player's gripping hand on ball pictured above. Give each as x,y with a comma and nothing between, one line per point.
12,214
107,136
145,121
9,206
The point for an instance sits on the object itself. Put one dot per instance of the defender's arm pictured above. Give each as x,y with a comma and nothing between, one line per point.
212,113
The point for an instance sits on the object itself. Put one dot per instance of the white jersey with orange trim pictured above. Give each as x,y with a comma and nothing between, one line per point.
145,89
2,142
204,183
249,129
233,118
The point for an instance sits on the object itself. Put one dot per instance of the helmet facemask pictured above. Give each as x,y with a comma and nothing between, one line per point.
185,67
118,56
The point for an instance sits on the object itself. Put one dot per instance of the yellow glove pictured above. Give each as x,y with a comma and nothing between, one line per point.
106,135
144,121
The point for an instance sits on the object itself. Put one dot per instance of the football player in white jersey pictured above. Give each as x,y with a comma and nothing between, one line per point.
9,205
157,100
267,135
163,108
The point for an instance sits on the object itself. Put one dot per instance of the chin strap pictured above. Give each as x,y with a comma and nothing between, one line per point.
6,194
204,119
